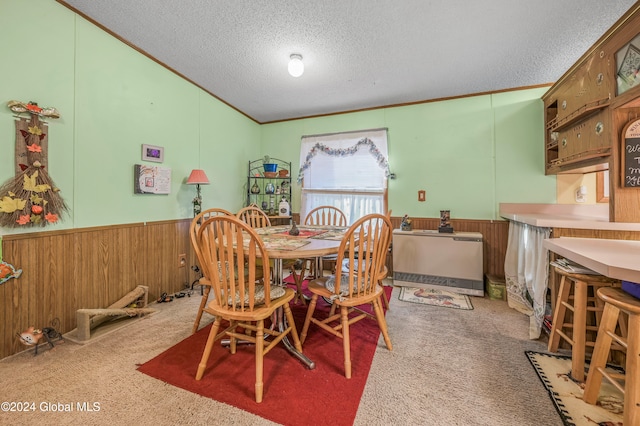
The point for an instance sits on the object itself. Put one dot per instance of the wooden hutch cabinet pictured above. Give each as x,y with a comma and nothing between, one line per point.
586,110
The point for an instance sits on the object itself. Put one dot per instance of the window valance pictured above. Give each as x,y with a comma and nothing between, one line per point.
344,145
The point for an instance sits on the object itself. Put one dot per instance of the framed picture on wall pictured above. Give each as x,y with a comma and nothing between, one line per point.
628,66
152,153
151,179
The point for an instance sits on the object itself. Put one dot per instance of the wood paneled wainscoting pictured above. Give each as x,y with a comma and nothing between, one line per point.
63,271
495,234
67,270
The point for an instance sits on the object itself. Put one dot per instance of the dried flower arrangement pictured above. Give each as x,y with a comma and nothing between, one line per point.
31,198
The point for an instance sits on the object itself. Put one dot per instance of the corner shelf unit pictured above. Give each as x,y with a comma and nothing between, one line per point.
262,196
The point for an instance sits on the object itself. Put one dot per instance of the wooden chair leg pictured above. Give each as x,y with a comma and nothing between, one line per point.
259,359
558,315
207,348
294,333
307,319
579,331
298,279
332,311
344,317
382,323
203,303
384,297
632,388
600,354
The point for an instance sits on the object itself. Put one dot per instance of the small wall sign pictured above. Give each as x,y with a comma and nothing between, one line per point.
631,155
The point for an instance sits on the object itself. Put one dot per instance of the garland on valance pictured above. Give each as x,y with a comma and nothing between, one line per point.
337,152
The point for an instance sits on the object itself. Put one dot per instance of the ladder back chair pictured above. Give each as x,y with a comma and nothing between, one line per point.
254,216
193,229
328,216
362,256
257,218
230,249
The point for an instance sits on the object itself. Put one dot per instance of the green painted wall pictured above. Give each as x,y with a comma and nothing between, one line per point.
112,100
468,154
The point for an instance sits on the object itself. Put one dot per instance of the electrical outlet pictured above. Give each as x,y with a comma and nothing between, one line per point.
182,260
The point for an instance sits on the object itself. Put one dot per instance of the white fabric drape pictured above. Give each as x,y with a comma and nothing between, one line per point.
526,270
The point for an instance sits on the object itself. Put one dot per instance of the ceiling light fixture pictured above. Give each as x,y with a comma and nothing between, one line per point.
296,66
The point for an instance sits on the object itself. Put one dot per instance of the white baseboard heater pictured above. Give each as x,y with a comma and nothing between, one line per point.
444,261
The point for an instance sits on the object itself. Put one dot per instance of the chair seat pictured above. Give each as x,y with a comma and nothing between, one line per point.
325,287
213,308
258,298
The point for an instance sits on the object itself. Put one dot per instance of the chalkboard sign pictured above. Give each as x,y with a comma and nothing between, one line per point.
631,155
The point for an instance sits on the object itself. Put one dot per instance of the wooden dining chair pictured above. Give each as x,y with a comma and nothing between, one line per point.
385,272
328,216
257,218
193,228
254,216
229,246
322,215
363,252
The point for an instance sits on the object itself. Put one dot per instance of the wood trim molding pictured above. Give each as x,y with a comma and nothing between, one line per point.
602,186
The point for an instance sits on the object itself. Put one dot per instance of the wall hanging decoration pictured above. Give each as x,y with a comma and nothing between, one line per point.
30,198
8,271
152,153
151,179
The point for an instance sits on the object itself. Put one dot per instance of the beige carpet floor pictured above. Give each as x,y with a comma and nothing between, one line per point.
448,367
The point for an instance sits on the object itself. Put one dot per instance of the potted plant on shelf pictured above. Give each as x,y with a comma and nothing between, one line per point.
269,168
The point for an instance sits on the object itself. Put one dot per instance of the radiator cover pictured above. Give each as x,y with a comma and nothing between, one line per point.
429,259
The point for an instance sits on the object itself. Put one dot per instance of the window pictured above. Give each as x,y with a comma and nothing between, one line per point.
345,170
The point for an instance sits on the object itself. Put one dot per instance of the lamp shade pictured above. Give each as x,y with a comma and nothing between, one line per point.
197,177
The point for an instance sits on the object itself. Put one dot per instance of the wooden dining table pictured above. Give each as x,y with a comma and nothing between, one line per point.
313,242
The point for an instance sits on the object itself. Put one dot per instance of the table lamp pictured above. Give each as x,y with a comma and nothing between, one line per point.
197,178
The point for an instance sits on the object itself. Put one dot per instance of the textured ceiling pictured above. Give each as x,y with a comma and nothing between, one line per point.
358,54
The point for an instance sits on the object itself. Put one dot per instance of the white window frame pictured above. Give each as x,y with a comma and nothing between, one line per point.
354,202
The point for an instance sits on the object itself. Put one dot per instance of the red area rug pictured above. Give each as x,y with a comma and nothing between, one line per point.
293,395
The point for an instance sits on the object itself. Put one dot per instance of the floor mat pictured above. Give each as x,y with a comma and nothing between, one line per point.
566,394
434,297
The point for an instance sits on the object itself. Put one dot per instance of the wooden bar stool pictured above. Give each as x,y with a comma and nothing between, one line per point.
615,302
579,302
